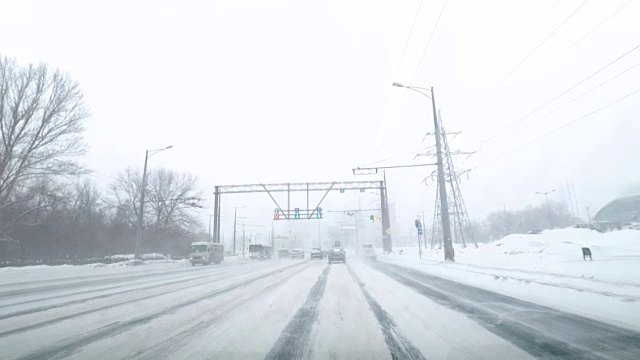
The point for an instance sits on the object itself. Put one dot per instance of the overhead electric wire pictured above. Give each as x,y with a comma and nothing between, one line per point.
435,27
557,129
402,60
544,17
413,152
601,23
584,93
423,54
567,124
555,98
541,43
408,39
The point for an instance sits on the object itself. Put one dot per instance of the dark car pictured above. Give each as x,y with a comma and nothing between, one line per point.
296,253
317,253
337,254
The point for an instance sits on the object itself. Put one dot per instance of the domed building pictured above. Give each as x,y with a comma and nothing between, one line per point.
619,211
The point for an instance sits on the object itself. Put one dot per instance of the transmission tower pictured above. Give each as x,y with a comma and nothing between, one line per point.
461,223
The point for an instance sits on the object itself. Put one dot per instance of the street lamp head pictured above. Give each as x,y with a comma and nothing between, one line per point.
168,147
397,84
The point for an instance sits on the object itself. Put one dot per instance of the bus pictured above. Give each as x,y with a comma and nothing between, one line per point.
260,252
205,253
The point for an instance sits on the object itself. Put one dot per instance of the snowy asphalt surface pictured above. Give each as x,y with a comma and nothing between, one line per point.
293,309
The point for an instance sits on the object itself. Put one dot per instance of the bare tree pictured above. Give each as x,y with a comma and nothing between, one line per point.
170,194
41,115
126,194
171,198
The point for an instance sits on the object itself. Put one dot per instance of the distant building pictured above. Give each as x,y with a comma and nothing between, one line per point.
619,211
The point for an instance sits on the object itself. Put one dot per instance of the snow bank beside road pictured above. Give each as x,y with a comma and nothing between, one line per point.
548,269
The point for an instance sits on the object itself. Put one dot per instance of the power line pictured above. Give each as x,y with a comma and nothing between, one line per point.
408,39
423,52
542,43
544,17
556,97
568,124
602,23
559,128
583,94
429,42
401,62
421,57
393,157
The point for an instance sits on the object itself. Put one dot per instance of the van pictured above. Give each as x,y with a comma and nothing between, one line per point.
205,253
367,251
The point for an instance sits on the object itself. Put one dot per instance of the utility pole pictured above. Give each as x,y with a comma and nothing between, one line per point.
424,233
506,226
141,211
546,197
210,234
504,219
243,240
235,219
273,238
140,230
449,254
588,214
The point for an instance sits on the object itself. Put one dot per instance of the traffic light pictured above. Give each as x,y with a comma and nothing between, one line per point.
297,211
372,218
297,216
319,213
276,216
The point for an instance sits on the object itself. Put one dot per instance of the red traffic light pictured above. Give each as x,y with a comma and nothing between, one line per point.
276,216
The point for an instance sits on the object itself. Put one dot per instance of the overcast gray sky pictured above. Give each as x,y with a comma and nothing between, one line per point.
274,91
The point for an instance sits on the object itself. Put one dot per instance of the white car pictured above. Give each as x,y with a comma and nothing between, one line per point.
367,251
296,253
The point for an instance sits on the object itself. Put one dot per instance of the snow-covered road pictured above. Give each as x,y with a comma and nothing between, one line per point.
284,309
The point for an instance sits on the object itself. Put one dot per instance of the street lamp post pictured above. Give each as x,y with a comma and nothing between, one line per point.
139,233
449,254
546,198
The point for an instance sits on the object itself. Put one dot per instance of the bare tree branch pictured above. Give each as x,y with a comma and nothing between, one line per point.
41,115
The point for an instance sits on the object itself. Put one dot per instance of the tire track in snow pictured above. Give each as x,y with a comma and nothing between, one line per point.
93,310
177,280
65,283
399,346
66,347
541,331
293,342
177,341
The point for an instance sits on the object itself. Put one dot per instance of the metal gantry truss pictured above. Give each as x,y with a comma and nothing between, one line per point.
460,221
308,187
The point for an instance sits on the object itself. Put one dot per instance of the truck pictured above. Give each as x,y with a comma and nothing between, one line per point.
260,252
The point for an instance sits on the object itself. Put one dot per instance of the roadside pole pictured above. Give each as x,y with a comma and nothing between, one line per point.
418,224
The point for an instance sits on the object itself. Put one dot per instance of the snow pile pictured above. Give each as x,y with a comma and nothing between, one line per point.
132,262
113,261
125,257
551,246
548,269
